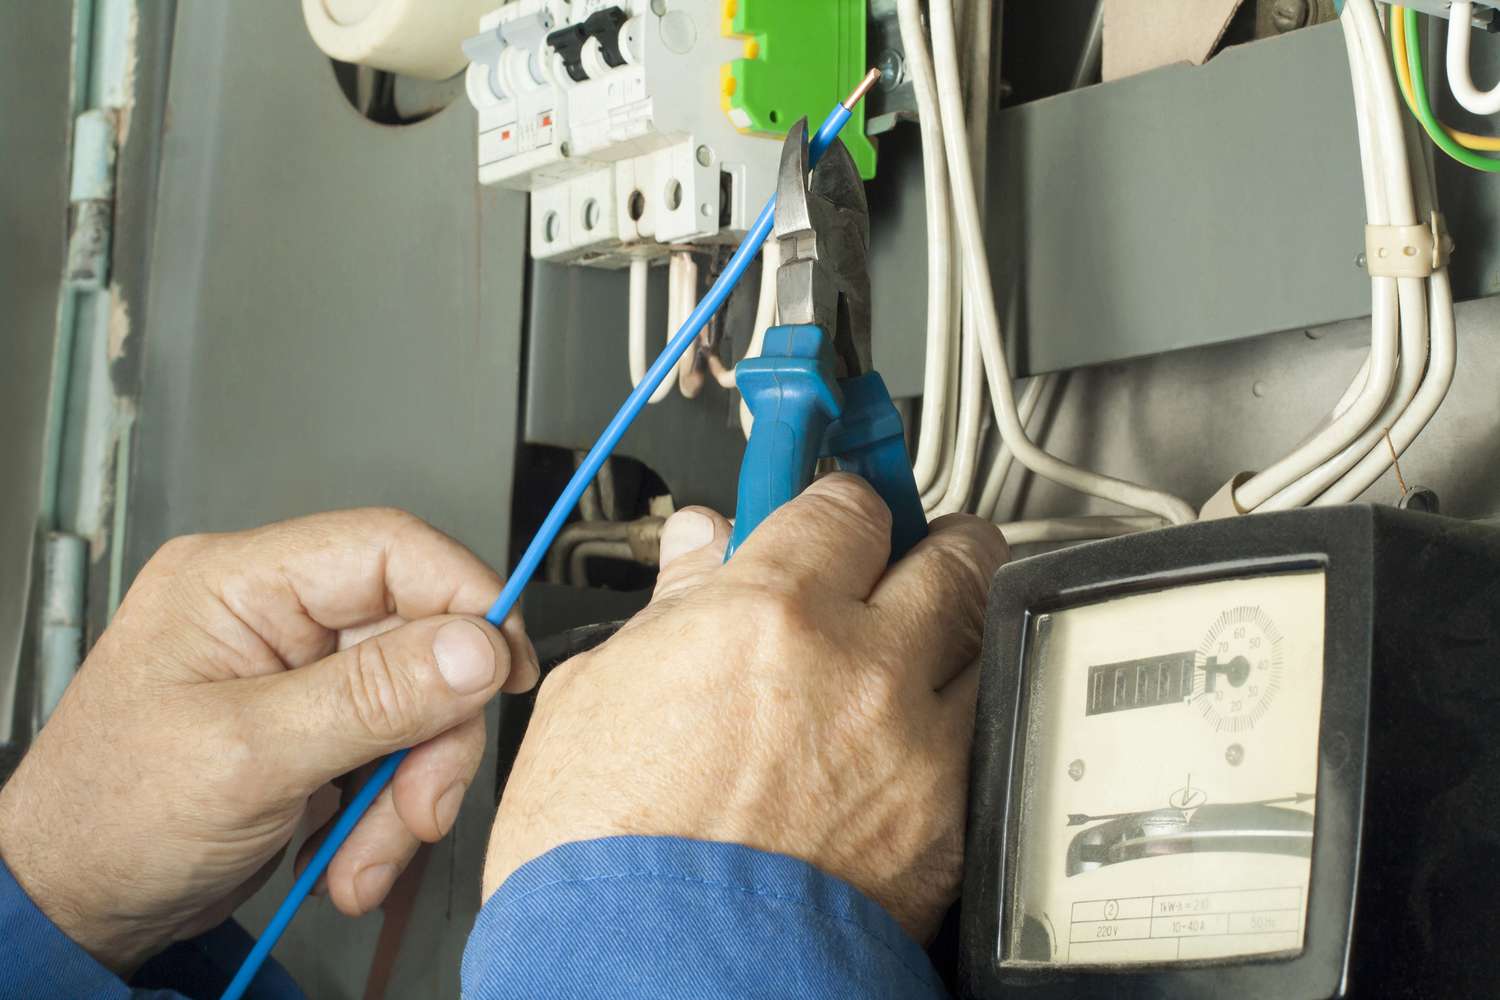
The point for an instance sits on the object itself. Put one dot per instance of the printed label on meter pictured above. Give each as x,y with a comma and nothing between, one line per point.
1171,762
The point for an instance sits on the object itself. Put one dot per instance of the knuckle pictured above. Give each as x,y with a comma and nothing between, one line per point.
396,516
958,574
379,693
777,615
849,500
388,521
176,551
556,682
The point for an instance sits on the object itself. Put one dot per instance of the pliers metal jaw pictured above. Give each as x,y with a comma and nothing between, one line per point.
811,390
823,228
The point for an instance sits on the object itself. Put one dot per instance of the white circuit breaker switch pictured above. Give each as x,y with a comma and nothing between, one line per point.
498,143
620,133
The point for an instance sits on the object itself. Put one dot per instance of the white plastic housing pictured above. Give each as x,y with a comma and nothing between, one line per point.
421,38
628,161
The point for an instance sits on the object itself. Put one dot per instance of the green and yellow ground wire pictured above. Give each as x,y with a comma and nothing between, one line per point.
1406,52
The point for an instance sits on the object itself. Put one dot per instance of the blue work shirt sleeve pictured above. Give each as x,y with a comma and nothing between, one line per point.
659,917
38,960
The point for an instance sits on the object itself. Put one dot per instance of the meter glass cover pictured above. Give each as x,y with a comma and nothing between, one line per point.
1171,756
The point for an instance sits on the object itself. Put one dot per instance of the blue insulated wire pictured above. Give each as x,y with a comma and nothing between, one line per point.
527,567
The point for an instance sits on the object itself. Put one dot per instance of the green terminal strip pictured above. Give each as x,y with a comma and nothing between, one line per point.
799,57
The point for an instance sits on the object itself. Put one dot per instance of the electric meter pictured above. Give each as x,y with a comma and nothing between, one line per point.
1252,757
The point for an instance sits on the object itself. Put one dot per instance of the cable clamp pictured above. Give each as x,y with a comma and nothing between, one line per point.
1223,504
1408,251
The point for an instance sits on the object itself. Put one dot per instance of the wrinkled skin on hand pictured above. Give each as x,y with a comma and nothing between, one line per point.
241,675
802,698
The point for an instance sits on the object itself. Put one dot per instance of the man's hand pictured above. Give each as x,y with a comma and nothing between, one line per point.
241,674
802,699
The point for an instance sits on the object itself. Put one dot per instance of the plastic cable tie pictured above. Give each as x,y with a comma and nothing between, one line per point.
1407,251
1223,504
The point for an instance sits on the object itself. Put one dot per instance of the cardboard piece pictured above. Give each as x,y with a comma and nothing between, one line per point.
1147,34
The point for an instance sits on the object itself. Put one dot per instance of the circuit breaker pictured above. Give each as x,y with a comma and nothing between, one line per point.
637,125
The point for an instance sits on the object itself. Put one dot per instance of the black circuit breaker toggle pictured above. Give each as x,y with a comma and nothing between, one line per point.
603,25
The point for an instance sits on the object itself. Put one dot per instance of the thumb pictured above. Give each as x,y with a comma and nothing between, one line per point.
692,546
393,690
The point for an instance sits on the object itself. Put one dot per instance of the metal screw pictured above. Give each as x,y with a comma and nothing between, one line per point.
1259,389
1359,260
892,69
705,156
1289,15
1419,498
1075,770
1235,755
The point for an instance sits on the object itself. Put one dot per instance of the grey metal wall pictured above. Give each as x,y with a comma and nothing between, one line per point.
35,68
333,321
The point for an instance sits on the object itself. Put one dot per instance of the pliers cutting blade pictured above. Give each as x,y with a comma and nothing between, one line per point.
811,389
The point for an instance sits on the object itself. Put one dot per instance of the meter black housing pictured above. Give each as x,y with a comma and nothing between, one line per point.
1404,898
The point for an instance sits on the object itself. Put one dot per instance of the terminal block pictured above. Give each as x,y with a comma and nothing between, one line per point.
796,55
611,113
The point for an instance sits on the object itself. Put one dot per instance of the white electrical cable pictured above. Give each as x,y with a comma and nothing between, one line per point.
1412,367
955,482
765,316
965,466
1422,381
1076,529
994,481
1412,296
1460,78
1428,399
640,269
935,379
684,293
1399,433
977,274
1375,89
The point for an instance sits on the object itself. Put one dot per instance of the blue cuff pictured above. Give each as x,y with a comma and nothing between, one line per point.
38,960
661,917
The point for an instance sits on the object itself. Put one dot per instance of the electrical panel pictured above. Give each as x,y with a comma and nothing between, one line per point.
641,124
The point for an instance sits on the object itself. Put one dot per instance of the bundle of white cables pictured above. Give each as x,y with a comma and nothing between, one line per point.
1413,340
949,441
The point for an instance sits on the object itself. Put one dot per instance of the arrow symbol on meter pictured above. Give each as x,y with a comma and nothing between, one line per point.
1297,799
1078,819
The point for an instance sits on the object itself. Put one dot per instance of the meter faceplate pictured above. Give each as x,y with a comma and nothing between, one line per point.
1171,770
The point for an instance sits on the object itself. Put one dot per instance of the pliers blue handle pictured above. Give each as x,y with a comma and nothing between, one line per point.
802,412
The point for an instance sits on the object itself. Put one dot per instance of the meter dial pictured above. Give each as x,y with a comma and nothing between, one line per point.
1238,669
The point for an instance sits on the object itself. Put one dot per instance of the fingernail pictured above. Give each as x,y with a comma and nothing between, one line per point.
372,884
464,657
684,532
446,810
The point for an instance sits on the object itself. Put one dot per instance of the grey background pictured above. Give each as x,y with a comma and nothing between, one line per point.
326,312
35,53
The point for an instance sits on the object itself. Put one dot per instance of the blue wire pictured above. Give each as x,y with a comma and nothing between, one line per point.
526,568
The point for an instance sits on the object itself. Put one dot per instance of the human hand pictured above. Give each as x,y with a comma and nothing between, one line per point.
241,674
802,699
